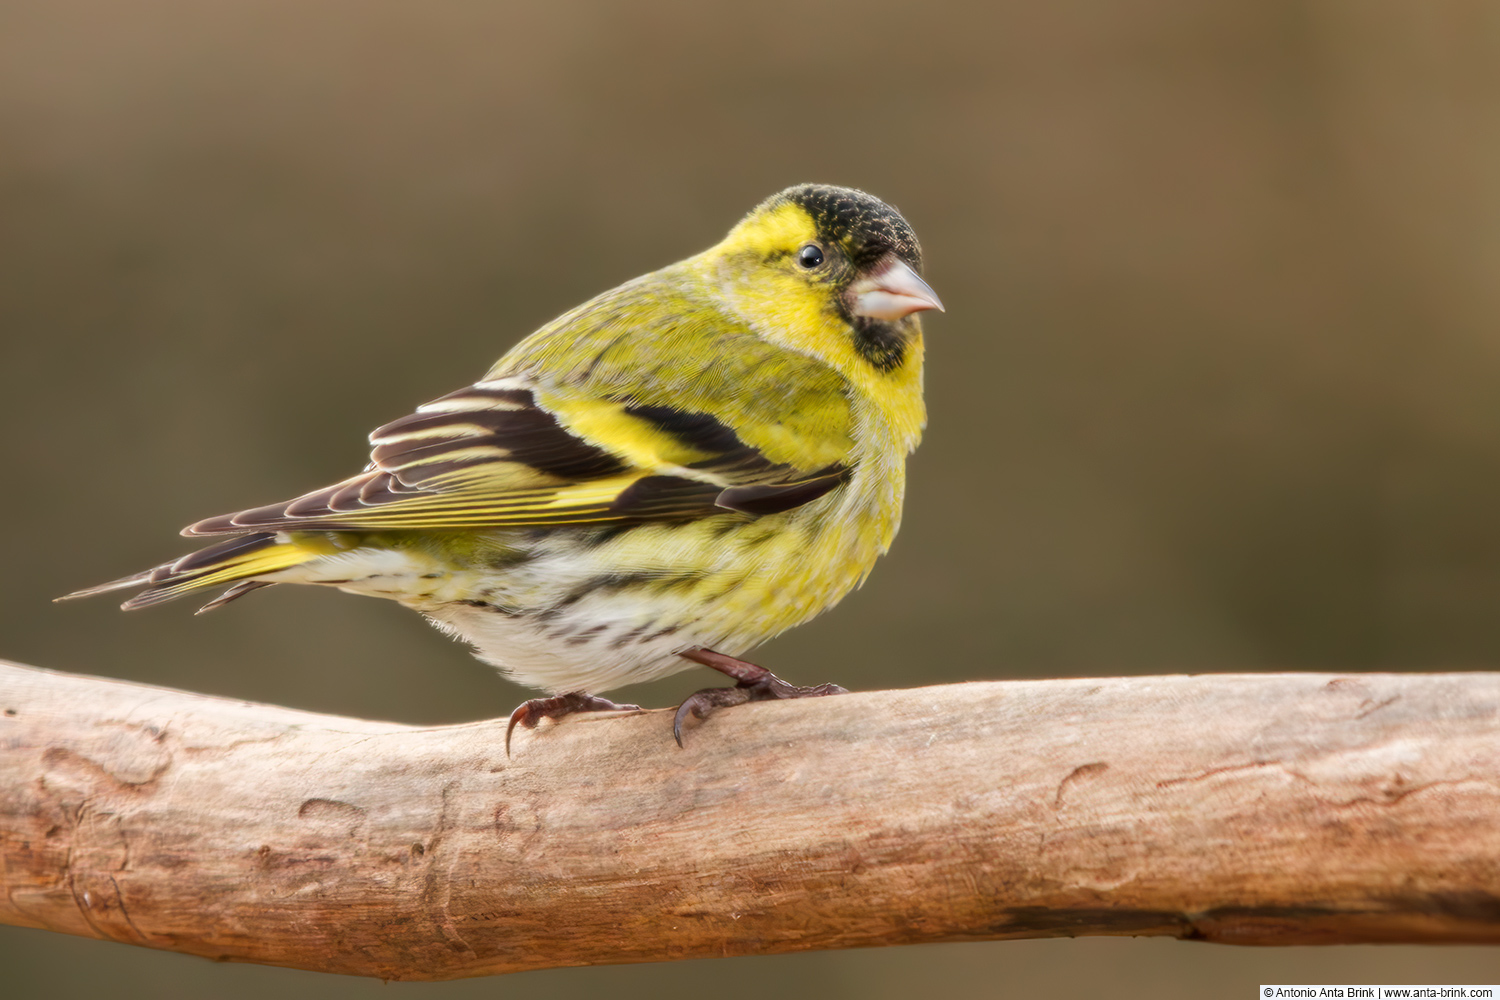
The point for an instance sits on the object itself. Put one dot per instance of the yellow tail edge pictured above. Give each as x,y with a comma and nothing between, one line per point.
233,561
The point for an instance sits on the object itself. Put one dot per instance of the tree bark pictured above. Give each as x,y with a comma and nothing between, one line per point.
1257,809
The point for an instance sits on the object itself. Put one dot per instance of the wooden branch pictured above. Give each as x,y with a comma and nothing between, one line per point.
1266,809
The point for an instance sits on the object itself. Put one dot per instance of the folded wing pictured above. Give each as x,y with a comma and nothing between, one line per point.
495,455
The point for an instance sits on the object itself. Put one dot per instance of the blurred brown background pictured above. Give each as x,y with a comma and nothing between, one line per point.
1218,387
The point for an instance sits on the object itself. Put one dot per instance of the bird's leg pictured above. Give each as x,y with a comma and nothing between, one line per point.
529,713
752,683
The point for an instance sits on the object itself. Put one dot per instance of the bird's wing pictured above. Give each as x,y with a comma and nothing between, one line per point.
647,403
505,451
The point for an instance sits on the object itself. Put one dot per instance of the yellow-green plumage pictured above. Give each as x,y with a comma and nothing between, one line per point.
702,457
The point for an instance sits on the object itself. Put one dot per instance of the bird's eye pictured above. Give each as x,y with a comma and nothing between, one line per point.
810,256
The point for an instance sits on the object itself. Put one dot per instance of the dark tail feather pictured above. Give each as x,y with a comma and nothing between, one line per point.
231,560
234,593
134,580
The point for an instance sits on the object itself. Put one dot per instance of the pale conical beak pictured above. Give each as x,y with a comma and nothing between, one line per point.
893,291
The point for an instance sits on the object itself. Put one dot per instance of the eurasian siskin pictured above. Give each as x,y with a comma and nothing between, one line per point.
672,472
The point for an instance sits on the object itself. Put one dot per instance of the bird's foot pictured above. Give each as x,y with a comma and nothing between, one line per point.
529,713
752,683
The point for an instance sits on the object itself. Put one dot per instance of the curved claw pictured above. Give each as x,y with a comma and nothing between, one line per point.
755,683
682,713
522,714
529,713
702,703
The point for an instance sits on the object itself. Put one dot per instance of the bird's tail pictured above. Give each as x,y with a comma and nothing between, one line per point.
237,561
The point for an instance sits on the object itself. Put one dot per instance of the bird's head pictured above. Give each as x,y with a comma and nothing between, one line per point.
830,271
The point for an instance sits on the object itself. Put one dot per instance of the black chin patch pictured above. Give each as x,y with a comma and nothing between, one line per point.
880,342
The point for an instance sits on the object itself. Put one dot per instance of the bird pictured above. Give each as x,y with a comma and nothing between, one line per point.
669,474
